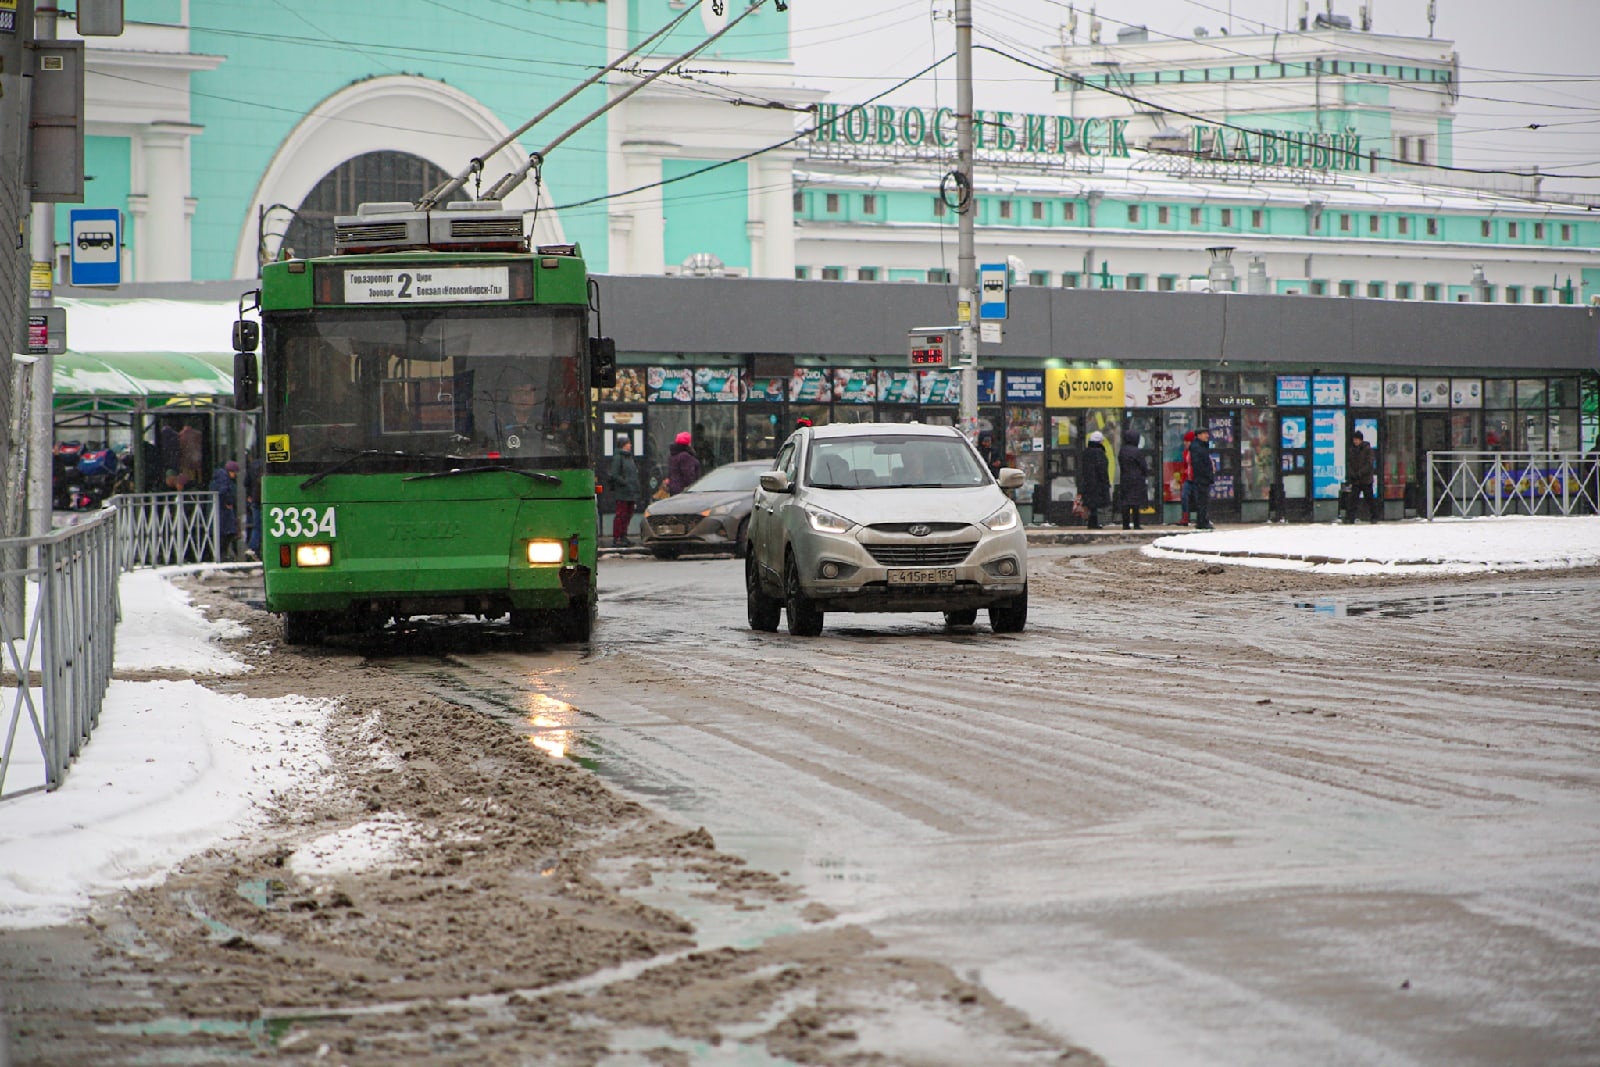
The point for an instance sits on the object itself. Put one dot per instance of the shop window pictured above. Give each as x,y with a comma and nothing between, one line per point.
1375,290
1133,212
1163,215
1403,291
1497,392
1038,277
1430,291
1347,288
1257,218
866,274
1319,287
1069,280
802,273
1513,294
1541,294
1133,281
831,204
832,274
1404,224
939,274
1167,283
869,204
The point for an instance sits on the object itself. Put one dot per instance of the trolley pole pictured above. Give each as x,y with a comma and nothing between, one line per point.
966,215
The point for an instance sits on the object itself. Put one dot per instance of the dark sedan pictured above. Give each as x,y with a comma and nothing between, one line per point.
712,515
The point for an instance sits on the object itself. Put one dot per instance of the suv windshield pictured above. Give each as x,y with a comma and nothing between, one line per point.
894,461
454,381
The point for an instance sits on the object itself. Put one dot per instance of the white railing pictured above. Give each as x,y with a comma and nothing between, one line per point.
56,653
160,529
1470,484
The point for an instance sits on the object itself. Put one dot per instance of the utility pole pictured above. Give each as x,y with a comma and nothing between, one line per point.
41,494
966,252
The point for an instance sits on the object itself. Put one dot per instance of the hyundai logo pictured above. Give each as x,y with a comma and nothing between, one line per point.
920,530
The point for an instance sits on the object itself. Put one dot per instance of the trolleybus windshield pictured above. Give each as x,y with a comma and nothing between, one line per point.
469,382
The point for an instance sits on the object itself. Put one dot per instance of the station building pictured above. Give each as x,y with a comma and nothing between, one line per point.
1252,233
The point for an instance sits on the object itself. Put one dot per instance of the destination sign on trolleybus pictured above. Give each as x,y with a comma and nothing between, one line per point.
403,284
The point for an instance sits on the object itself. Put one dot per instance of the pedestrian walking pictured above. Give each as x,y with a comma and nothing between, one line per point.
223,483
1094,479
624,483
1204,473
1363,473
1186,480
683,466
1134,474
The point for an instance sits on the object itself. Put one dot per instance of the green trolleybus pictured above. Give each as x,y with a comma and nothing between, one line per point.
425,422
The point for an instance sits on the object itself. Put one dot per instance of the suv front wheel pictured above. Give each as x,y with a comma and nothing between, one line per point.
1009,616
805,618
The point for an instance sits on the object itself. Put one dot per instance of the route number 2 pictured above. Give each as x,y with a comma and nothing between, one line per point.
300,522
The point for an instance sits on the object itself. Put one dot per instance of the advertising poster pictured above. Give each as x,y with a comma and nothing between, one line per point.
1328,391
855,386
1294,431
1466,393
669,385
1294,391
940,387
1433,392
1369,433
1221,431
1327,453
629,388
717,386
897,386
1399,392
1161,388
988,387
1024,387
1366,392
767,389
1083,387
1257,457
810,384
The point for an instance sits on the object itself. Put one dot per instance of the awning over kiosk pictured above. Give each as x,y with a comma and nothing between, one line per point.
126,381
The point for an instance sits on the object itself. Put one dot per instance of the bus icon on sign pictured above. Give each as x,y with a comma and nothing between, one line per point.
96,239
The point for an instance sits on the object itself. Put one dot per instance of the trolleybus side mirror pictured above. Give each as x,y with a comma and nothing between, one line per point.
602,362
246,374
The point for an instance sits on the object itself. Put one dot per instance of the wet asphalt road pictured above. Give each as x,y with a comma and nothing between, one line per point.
1261,831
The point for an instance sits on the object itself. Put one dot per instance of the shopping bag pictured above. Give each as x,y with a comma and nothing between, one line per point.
1078,508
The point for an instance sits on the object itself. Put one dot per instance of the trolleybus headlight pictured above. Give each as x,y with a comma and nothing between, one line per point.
546,551
312,554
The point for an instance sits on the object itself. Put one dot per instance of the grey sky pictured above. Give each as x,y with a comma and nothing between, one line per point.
1522,62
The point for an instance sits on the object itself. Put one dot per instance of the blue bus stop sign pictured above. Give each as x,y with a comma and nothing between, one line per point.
96,240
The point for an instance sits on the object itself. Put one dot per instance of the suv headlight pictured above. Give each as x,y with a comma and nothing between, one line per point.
827,521
1004,519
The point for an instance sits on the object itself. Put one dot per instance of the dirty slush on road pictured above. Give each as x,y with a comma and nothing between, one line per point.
505,930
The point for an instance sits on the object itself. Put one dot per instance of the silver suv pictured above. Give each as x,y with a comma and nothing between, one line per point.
885,517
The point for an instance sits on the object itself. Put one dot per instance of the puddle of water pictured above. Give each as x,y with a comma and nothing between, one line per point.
1410,607
635,1047
262,892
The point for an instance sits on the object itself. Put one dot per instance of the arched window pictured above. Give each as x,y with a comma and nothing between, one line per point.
371,178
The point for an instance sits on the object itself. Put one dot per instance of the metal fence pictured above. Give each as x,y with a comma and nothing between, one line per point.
55,666
160,529
1472,484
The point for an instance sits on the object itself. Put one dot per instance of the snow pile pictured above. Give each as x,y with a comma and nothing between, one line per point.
1444,546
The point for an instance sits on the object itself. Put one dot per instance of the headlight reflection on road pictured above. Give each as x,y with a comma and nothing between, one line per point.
551,720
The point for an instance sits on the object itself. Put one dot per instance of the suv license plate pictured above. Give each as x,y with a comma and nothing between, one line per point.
923,576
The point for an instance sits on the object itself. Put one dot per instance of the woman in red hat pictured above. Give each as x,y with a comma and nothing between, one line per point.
683,466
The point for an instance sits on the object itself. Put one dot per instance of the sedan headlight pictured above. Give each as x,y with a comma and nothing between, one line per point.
1004,519
718,510
827,521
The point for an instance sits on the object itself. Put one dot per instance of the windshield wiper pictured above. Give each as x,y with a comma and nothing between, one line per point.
537,476
366,453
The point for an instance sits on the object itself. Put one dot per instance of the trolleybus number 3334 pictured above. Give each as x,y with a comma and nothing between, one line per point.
301,522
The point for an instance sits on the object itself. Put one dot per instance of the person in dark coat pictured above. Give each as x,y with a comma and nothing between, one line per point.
990,453
1203,473
223,483
683,466
1094,479
1134,475
623,482
1362,474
